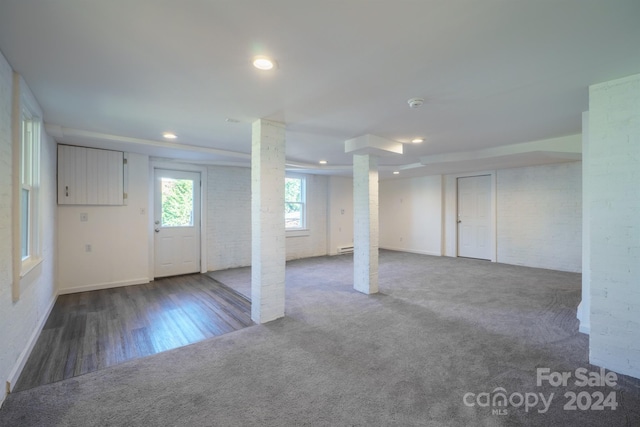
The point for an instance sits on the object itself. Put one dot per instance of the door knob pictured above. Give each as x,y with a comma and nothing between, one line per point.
459,221
157,230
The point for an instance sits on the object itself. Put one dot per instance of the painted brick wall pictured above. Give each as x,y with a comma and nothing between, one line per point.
267,221
366,228
613,201
6,170
228,217
539,211
22,319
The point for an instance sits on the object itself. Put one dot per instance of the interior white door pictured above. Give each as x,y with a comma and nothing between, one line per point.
474,217
176,222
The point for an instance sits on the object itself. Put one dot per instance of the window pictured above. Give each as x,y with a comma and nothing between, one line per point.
177,202
29,190
294,203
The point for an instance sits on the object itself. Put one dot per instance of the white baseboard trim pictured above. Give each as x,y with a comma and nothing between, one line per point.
620,369
108,285
584,326
26,352
411,251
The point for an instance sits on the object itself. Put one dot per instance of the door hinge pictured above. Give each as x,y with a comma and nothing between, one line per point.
124,195
124,161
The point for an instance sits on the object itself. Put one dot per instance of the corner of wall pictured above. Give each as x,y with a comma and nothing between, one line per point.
584,309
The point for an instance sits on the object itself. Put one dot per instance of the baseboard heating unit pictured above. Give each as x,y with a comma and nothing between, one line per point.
345,249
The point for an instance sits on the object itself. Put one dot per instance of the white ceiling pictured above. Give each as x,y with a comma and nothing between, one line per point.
118,73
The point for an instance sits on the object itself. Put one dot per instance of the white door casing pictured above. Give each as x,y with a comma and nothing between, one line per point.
177,225
474,217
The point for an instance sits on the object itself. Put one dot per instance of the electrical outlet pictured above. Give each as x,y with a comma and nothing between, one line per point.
87,248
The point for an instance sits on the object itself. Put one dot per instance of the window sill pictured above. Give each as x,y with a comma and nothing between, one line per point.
301,232
29,265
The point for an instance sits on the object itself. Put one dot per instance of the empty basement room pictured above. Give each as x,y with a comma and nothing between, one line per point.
276,213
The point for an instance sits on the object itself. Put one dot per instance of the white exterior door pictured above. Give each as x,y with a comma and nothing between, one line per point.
474,217
176,222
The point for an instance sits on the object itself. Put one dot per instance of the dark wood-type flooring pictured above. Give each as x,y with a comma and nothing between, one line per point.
88,331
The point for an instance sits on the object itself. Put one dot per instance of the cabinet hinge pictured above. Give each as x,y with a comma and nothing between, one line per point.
124,195
124,161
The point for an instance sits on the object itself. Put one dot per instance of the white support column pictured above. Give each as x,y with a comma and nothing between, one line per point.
365,230
267,221
613,201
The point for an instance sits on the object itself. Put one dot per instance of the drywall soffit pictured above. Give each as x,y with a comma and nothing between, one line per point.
566,149
371,144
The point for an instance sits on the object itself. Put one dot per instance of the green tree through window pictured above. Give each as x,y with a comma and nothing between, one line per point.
294,206
177,202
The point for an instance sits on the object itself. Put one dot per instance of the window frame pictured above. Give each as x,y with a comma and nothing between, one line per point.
27,130
30,147
302,203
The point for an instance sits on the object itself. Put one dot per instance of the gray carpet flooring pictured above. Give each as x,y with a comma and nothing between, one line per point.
439,329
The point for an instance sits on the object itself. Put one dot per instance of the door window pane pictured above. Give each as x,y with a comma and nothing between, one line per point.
177,202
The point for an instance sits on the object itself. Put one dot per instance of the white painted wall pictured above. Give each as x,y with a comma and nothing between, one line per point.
118,235
411,215
539,216
339,213
613,202
23,319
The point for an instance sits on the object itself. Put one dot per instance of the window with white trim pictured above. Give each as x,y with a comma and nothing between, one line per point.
30,137
295,211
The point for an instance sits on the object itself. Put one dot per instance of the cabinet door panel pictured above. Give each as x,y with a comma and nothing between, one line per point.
93,177
113,187
89,176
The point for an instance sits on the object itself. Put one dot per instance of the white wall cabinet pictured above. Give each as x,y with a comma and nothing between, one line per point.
89,176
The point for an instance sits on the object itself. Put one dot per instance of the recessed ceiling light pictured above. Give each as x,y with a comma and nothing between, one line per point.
169,135
415,102
417,140
263,63
323,162
396,172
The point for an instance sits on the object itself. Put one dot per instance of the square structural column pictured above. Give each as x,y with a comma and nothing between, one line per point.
365,223
613,204
268,254
365,207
